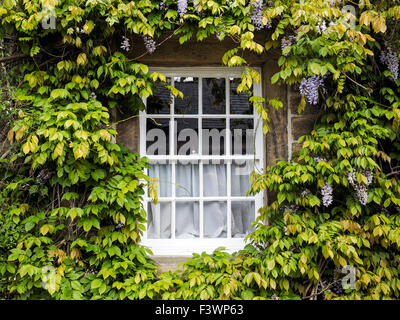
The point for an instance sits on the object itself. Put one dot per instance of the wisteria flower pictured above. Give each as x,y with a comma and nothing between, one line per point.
309,87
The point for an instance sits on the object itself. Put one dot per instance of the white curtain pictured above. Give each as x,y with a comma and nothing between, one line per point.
163,173
187,213
242,216
187,180
187,224
159,221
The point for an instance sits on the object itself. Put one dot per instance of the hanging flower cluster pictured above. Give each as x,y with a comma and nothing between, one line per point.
321,26
391,60
125,45
361,190
92,96
150,44
182,7
327,194
287,42
309,87
256,15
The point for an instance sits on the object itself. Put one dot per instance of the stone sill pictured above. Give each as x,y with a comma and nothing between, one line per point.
169,263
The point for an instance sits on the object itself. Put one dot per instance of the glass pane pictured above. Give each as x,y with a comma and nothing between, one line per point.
243,215
160,102
214,100
157,136
240,177
163,173
189,86
214,136
214,219
159,221
187,180
187,220
243,138
214,180
187,136
239,103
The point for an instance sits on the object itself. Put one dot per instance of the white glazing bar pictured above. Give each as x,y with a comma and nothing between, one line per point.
172,132
200,139
208,116
216,198
228,162
198,158
173,203
229,202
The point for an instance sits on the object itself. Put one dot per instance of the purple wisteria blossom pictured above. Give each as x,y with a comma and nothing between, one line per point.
391,60
309,87
182,7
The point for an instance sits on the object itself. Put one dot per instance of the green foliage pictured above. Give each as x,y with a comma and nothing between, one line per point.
70,202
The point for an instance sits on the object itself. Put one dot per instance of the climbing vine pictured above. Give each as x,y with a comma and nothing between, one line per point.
70,200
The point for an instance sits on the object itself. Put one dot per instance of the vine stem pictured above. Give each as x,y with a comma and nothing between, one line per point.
318,293
354,81
18,56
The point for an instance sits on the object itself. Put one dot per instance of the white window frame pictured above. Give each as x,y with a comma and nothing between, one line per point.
185,247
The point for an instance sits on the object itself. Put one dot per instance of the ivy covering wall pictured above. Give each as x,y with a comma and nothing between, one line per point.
70,211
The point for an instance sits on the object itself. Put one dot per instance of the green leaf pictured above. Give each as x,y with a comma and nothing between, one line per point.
96,283
275,78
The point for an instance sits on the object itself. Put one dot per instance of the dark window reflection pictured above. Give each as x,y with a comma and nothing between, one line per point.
242,132
160,102
157,136
213,136
189,86
214,100
187,141
239,103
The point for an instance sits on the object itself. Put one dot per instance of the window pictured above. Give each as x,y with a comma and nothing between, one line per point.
202,149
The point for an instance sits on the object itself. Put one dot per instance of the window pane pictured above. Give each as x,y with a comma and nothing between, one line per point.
187,180
159,221
214,219
242,216
160,102
214,180
163,173
187,136
242,136
187,220
213,136
157,136
239,103
240,177
214,100
189,86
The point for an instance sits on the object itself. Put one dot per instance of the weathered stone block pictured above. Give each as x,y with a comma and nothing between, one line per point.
129,134
302,125
294,101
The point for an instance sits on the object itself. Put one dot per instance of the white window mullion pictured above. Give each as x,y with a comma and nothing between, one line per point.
200,139
172,136
173,204
228,162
